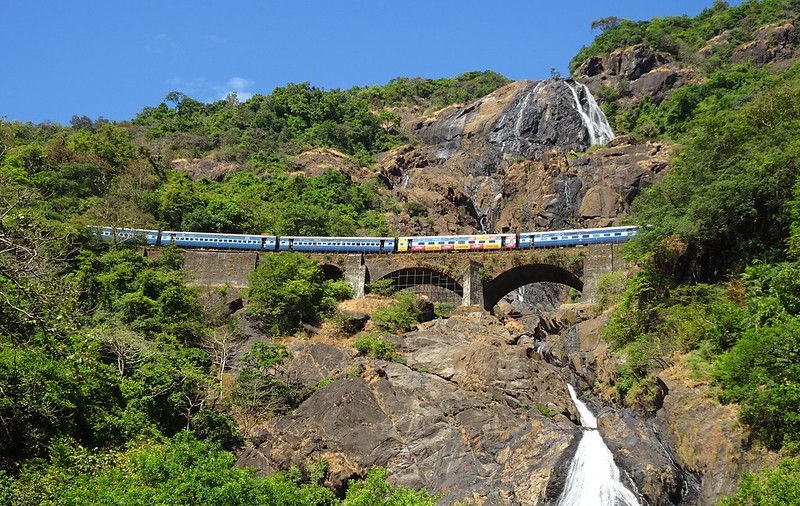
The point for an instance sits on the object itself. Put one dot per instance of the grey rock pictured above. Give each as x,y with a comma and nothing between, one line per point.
770,43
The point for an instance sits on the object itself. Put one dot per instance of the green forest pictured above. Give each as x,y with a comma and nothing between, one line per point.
111,367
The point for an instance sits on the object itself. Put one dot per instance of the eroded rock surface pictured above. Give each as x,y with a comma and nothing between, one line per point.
459,419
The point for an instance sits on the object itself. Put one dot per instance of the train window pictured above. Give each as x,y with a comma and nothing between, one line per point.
617,233
585,236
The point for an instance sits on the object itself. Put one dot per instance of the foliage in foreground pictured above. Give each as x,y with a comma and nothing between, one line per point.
186,471
777,486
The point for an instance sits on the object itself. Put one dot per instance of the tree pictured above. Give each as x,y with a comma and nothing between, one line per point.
258,393
222,343
376,491
606,23
285,291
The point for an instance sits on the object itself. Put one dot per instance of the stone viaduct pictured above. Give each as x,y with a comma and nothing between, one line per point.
460,278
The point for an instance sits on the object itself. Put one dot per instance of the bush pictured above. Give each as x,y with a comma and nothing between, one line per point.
374,346
383,287
762,371
401,316
442,309
288,289
777,486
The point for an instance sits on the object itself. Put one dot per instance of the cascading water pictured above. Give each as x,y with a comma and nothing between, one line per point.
404,179
593,477
594,120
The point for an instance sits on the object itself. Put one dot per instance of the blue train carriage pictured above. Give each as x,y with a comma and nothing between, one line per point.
221,241
337,244
580,237
124,234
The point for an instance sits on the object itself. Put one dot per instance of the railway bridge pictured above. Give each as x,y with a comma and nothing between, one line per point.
466,278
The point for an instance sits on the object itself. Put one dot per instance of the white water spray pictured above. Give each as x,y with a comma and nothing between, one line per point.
593,477
404,179
593,118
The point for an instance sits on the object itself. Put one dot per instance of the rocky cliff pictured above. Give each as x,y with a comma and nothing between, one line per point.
516,160
463,417
477,410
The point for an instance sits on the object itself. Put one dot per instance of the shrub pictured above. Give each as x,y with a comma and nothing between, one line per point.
374,346
401,316
442,309
383,287
777,486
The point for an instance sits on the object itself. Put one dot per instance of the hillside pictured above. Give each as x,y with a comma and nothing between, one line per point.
120,380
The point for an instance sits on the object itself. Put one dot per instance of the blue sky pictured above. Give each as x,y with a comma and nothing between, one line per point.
111,59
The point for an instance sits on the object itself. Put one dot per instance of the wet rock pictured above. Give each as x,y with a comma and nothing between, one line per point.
706,437
641,456
524,118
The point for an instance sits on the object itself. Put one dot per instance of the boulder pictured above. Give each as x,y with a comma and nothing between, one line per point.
770,43
466,437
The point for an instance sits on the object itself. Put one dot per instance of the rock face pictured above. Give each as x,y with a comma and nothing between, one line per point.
477,414
706,437
638,71
770,43
522,119
509,162
461,419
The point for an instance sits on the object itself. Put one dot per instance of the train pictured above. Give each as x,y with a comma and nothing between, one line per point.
407,244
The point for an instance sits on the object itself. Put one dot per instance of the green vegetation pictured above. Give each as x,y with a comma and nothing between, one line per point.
288,289
106,356
401,316
383,287
374,346
770,487
682,36
189,472
434,93
442,309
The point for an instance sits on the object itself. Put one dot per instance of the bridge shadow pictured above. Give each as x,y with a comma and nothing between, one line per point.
435,285
522,275
332,272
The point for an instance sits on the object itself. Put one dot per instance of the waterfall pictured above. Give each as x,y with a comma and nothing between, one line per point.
593,477
404,179
594,120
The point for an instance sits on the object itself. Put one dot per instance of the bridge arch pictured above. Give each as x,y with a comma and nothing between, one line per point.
522,275
436,285
332,272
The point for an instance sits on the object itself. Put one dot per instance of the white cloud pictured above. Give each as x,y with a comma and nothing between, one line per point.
205,91
240,86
